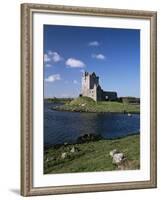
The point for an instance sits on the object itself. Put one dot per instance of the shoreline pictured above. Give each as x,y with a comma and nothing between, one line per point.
102,112
74,143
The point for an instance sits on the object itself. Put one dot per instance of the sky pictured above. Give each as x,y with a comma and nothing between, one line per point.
113,54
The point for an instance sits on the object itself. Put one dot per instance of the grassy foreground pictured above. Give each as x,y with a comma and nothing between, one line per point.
92,156
86,104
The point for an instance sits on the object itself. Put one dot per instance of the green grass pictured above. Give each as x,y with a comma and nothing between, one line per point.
92,156
86,104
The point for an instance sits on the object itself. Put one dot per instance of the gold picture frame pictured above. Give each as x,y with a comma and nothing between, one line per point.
27,94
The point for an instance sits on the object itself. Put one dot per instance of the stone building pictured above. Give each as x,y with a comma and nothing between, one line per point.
92,89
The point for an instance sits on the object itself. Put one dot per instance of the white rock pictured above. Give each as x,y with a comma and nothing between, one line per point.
63,155
49,159
114,151
118,158
73,150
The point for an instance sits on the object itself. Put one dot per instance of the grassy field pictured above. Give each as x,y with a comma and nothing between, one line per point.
86,104
92,156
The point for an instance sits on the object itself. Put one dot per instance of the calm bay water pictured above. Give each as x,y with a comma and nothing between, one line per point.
61,127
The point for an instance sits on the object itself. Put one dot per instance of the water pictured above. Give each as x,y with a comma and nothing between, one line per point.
61,127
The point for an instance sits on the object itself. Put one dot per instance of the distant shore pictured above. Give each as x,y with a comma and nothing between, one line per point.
92,155
58,100
85,104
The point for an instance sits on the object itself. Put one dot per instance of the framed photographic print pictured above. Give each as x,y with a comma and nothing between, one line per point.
88,99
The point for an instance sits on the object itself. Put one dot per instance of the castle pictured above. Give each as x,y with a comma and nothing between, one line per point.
92,89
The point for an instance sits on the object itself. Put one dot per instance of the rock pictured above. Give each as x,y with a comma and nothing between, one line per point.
83,104
118,158
73,150
65,143
125,165
88,137
49,159
114,151
63,155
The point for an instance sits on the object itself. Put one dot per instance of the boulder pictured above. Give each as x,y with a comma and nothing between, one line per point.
63,155
114,151
118,158
73,150
88,137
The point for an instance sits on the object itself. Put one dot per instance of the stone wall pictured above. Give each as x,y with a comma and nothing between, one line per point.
109,95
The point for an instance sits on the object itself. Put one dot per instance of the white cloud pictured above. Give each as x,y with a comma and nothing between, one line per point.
75,82
99,56
46,58
52,56
55,56
53,78
94,43
74,63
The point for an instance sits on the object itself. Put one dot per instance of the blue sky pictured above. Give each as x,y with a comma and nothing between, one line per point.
113,54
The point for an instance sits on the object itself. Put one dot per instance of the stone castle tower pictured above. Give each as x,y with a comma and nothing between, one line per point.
90,82
92,89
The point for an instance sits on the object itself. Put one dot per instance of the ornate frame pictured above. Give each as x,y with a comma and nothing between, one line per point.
27,11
